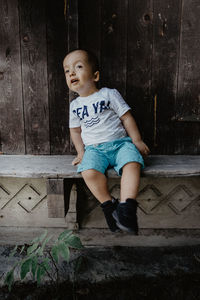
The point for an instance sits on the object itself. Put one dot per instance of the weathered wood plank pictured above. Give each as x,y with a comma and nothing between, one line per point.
58,93
89,30
188,81
139,55
11,103
164,72
187,103
114,44
73,42
59,166
55,198
34,74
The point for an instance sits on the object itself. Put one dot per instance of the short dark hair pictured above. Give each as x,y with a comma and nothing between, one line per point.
92,59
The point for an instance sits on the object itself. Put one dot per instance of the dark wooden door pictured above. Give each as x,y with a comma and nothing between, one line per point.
148,50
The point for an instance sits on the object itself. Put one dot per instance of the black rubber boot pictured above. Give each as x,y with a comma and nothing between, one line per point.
108,207
125,216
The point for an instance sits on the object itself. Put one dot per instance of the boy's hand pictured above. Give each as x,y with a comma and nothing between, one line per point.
142,147
77,160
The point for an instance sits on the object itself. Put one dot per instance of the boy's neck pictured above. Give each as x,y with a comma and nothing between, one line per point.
88,93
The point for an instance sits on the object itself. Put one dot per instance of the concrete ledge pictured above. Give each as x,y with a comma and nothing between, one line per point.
46,192
104,238
59,166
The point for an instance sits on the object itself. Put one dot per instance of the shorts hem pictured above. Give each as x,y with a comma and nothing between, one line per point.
90,168
119,169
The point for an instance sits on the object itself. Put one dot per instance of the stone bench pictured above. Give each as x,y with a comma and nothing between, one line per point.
41,191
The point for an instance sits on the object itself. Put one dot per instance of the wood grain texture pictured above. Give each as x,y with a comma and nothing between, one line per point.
73,42
188,81
11,103
139,65
89,26
57,48
34,74
148,50
165,71
114,44
187,102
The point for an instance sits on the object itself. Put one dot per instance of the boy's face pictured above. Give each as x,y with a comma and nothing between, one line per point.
78,73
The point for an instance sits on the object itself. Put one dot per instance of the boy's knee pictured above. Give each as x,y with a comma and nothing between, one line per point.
132,166
91,174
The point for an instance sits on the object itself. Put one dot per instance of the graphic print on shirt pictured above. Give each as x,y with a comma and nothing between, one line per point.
92,122
95,108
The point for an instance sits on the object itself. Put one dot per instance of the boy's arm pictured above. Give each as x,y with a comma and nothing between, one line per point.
132,130
78,143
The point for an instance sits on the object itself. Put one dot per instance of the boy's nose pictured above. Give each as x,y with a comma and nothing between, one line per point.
72,73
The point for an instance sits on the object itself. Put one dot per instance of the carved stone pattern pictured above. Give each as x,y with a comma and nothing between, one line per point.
23,202
29,194
178,199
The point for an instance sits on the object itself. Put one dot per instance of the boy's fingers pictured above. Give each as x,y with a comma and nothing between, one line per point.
76,161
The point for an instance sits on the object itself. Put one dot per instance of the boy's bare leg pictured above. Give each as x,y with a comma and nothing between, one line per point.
97,183
130,181
125,214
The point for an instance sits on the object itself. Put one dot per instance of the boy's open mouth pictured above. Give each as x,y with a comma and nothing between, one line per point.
74,81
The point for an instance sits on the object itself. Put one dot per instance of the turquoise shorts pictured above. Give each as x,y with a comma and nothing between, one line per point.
113,154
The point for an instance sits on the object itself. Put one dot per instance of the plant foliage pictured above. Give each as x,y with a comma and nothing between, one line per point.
39,261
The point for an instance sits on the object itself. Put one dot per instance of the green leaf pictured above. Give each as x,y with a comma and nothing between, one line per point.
74,242
34,264
65,234
32,248
64,251
45,264
45,242
9,279
40,273
25,268
54,252
39,238
13,251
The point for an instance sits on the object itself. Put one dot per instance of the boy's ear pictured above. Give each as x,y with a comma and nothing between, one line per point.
96,76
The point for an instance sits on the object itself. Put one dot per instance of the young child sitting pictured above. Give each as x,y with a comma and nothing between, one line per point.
105,135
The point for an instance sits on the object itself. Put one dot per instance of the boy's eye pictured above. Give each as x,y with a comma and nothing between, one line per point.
66,71
79,66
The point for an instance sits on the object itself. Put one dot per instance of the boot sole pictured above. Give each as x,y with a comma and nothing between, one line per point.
122,227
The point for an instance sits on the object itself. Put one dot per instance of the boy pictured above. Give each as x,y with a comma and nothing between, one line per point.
104,134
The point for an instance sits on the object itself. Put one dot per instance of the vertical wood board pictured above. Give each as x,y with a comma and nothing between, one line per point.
57,48
114,44
89,24
73,42
188,101
11,104
165,71
139,56
34,74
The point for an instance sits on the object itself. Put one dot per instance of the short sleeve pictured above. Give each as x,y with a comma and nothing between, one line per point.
118,104
74,120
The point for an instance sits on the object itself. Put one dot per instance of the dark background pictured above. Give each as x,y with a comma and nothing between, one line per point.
148,50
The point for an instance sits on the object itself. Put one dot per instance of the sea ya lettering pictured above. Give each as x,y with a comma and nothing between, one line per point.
97,107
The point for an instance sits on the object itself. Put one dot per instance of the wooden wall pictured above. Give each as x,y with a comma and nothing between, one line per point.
148,50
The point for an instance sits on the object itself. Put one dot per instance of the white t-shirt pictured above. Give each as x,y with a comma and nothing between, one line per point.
98,115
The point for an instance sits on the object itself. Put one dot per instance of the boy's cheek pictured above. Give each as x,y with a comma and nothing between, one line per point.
68,82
